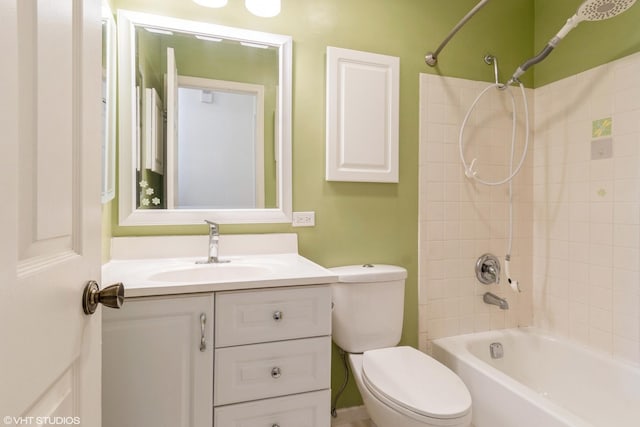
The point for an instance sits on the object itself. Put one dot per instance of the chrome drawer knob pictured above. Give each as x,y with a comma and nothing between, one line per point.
275,372
277,315
275,425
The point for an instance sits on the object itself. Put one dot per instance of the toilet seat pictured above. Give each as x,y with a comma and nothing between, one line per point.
415,384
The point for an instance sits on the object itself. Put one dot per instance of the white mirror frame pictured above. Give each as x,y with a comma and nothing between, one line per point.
108,191
129,215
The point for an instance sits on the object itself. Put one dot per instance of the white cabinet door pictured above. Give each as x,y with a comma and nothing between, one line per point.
50,215
363,94
157,369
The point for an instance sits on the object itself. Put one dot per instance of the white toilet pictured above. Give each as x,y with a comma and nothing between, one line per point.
400,386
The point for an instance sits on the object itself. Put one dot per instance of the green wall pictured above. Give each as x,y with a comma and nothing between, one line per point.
106,231
360,222
587,46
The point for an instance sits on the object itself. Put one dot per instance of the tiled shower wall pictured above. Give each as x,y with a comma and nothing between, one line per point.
577,233
461,220
587,211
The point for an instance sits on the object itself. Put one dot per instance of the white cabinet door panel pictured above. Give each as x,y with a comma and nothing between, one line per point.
362,116
155,372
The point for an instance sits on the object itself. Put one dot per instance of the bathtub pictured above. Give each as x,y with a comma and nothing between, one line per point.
541,381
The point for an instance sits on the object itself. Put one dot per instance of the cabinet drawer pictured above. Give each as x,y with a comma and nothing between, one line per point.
252,317
260,371
301,410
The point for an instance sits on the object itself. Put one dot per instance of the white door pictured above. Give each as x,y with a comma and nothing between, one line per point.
154,131
50,212
172,128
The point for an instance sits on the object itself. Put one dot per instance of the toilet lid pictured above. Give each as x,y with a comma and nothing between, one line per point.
369,273
416,382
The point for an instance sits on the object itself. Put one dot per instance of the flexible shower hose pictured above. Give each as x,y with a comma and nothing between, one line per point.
472,174
468,168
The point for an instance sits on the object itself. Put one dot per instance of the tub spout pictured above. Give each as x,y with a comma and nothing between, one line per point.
490,298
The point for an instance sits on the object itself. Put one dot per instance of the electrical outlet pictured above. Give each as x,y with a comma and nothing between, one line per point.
304,219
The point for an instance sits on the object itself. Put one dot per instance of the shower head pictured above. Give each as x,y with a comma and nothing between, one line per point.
589,10
592,10
599,10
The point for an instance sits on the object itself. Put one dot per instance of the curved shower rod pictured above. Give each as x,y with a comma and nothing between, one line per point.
431,58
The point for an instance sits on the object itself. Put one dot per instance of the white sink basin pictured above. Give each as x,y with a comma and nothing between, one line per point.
167,265
212,273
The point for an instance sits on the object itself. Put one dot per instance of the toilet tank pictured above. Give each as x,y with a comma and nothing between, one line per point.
368,306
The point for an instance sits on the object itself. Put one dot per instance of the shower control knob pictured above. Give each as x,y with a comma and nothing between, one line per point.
488,269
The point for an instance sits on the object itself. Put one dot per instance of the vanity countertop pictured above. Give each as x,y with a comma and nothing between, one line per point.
152,277
273,261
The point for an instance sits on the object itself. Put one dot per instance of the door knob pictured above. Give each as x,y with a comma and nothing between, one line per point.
111,296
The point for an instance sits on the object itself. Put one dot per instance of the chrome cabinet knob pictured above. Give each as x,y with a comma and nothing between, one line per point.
275,425
111,296
276,373
277,315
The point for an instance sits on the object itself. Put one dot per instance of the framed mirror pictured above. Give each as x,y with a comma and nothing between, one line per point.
205,122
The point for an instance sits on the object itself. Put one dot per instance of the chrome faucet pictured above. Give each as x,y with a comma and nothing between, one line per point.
490,298
214,237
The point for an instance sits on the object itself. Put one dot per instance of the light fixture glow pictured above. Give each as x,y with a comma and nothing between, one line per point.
209,39
158,31
211,3
256,45
263,8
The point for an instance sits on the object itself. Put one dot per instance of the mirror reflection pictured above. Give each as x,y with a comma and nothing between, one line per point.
209,107
205,122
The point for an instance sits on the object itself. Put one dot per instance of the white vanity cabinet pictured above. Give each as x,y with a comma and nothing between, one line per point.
273,357
266,364
157,362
